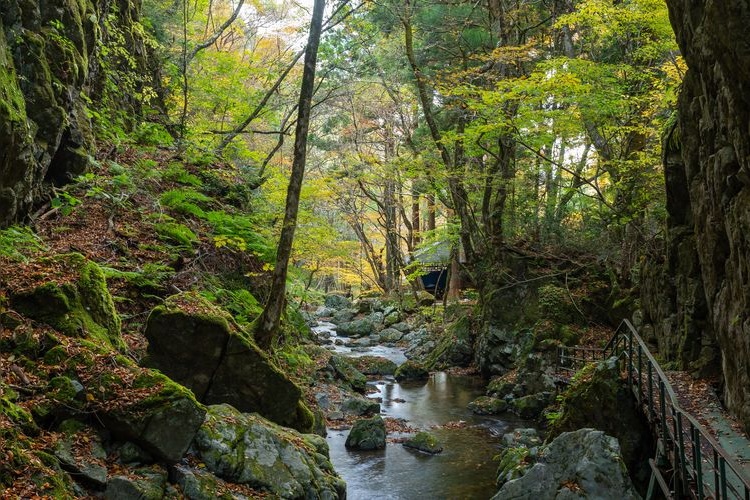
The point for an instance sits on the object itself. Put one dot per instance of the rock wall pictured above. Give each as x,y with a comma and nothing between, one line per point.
50,72
713,141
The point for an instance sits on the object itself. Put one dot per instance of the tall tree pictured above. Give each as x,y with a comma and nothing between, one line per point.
267,326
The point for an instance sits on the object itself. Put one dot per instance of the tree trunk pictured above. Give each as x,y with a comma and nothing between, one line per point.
267,326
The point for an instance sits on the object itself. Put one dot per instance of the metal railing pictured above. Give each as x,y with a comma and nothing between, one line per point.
700,467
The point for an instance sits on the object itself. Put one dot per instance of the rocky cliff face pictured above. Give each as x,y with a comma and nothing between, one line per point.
50,71
708,181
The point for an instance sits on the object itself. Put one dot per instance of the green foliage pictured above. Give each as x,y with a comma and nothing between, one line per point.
554,303
177,233
65,202
176,172
185,201
18,243
152,134
239,232
243,306
152,276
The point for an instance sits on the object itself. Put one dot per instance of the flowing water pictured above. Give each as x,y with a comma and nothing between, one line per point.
464,470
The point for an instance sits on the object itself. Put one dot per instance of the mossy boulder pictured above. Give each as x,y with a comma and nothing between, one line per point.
89,466
141,484
425,442
486,405
360,406
334,301
70,294
455,346
367,434
163,422
358,327
500,387
598,398
248,449
199,346
374,365
344,370
581,464
65,397
530,407
411,371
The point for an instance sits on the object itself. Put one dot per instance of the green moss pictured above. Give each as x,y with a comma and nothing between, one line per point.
424,441
17,415
12,104
176,233
83,308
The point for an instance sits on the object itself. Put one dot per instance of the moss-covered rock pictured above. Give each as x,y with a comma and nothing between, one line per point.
455,347
89,466
199,346
374,365
598,398
581,464
360,406
248,449
163,423
424,441
367,434
486,405
411,370
530,407
71,295
343,369
141,484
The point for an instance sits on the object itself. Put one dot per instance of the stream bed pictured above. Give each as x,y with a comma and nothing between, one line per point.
464,470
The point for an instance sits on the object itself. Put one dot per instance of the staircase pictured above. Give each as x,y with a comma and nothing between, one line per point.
689,463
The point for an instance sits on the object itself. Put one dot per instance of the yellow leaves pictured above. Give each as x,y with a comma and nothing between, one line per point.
232,242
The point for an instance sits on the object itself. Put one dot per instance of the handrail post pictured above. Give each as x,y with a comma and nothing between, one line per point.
717,490
698,463
723,472
663,407
630,357
650,391
640,373
683,455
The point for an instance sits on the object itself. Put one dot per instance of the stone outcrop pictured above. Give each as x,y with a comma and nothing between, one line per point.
199,346
367,434
72,297
51,69
581,464
247,449
598,398
707,165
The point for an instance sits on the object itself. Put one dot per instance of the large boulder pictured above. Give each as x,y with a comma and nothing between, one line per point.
374,365
334,301
163,421
199,346
498,349
345,371
248,449
411,370
598,398
581,464
367,434
358,327
70,295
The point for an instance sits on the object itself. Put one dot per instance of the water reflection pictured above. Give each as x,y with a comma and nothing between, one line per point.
465,470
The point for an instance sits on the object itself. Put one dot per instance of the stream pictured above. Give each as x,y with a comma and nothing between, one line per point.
464,470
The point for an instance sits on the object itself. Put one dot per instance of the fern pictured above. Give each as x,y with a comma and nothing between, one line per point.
231,228
18,243
185,201
177,233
